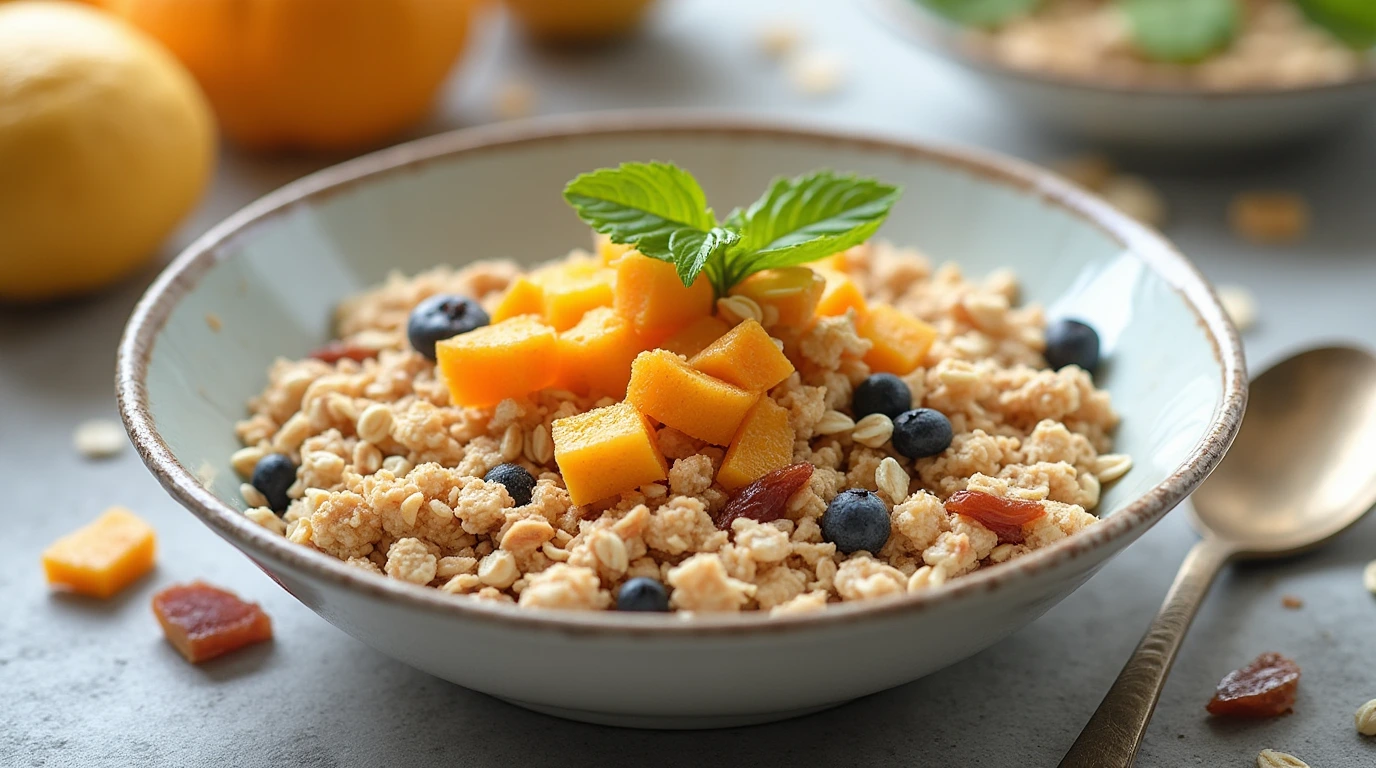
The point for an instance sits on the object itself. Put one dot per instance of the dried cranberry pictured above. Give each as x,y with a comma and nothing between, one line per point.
767,498
338,350
1005,517
1264,688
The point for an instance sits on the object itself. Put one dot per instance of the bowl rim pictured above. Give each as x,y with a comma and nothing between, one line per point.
184,272
934,34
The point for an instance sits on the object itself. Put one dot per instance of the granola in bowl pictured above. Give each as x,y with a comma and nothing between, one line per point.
616,431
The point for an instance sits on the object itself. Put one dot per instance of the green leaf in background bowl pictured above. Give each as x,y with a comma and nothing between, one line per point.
1352,21
1182,30
981,13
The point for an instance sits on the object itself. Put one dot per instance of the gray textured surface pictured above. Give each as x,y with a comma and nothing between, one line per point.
93,684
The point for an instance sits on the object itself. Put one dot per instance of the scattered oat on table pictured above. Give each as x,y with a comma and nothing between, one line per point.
1136,197
1291,602
213,322
817,73
1269,758
1269,218
514,99
1240,305
1093,170
778,38
99,438
1369,577
1366,718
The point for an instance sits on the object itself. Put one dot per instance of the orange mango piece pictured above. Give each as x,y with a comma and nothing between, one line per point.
664,387
696,336
570,290
792,291
605,452
203,622
650,294
522,297
508,359
900,340
747,357
609,252
595,355
839,293
763,444
103,557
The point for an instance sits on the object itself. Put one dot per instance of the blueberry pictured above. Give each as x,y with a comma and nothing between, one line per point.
642,594
856,519
518,482
272,476
920,433
881,393
1071,342
442,317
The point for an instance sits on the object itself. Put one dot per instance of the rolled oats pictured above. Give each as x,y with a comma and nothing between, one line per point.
1269,758
1369,577
268,519
873,431
245,459
834,422
252,496
99,438
375,423
738,309
892,480
498,569
1366,718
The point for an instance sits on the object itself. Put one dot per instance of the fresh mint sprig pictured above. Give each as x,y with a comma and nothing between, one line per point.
1181,31
1352,21
981,13
661,210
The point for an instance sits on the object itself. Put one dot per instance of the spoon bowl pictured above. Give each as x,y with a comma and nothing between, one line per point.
1301,469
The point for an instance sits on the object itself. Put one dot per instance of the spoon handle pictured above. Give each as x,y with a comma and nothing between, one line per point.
1114,733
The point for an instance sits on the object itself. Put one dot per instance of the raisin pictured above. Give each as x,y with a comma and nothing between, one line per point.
767,498
338,350
203,622
1264,688
1005,517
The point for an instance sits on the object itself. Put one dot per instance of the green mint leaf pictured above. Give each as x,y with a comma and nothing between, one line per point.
807,218
1352,21
1181,30
981,13
641,204
693,250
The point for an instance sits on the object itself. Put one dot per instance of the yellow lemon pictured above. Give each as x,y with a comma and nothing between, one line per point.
105,144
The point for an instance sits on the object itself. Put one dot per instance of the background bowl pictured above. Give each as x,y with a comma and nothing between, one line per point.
273,272
1138,117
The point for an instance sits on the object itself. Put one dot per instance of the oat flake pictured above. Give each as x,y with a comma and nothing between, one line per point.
99,438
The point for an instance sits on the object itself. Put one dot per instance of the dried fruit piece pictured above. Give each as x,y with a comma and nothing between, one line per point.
202,621
338,349
767,498
103,557
1005,517
1264,688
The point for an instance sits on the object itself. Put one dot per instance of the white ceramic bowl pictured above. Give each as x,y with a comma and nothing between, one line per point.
1139,117
272,273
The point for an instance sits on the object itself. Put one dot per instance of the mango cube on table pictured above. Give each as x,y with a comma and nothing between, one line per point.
202,621
103,557
606,451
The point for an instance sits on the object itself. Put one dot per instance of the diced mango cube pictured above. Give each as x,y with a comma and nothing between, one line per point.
203,622
522,297
664,387
747,357
696,336
900,340
571,289
839,294
508,359
793,292
103,557
650,294
763,444
609,251
595,355
606,451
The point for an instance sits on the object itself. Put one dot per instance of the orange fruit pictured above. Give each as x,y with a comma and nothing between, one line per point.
311,74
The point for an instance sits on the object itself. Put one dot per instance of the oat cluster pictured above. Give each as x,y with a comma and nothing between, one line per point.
1276,47
390,474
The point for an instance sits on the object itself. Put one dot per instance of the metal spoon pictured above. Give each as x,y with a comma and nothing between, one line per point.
1303,468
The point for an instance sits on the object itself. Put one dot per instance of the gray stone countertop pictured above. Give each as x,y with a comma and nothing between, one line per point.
93,684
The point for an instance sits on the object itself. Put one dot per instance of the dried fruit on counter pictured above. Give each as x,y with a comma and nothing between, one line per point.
102,558
766,499
202,621
1005,517
1264,688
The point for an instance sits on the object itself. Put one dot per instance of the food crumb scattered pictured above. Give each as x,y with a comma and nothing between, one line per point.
1093,170
213,322
1291,602
1269,218
817,73
103,557
1369,577
202,621
98,438
514,99
1264,688
778,38
1366,718
1240,305
206,474
1136,197
1269,758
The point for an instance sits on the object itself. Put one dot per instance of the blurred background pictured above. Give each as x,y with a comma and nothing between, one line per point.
152,120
